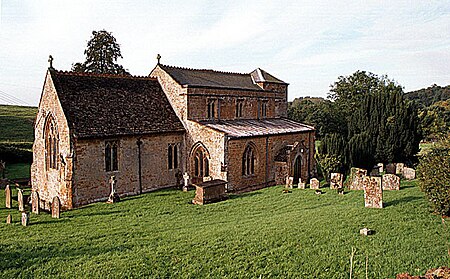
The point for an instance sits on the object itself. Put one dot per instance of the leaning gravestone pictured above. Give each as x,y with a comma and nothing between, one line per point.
289,182
56,207
336,180
8,198
35,202
314,183
9,219
20,199
25,218
390,168
391,182
356,178
373,193
399,168
409,173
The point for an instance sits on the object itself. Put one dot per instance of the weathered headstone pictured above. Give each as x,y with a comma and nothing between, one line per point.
391,182
356,178
35,202
390,168
56,207
289,182
186,182
409,173
366,231
20,199
380,167
9,219
8,197
314,183
336,180
113,197
399,168
25,218
301,185
373,193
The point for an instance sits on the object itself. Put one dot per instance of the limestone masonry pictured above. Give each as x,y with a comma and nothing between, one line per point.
149,131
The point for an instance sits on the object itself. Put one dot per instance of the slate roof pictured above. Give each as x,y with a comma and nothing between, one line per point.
216,79
252,127
114,105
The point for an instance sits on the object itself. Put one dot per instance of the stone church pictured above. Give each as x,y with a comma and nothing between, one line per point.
149,131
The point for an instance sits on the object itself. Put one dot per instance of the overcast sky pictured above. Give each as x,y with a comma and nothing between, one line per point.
305,43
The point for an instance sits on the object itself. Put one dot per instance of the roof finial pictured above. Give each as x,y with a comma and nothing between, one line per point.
50,61
158,57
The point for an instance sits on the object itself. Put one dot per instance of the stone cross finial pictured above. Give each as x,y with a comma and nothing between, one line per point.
50,61
158,57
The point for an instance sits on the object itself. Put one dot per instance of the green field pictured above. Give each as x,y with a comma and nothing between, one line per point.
16,123
262,234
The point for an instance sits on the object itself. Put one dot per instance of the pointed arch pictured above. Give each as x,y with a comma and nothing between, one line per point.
51,140
200,162
249,159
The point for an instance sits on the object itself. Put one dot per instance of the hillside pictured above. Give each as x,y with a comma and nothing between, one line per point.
427,96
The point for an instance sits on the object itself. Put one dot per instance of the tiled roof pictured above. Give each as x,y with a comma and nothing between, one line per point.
216,79
114,105
252,127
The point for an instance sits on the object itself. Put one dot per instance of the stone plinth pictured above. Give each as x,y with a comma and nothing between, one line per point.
210,191
391,182
336,180
409,173
314,183
356,179
373,193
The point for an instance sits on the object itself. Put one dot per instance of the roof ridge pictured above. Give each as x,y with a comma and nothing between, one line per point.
203,70
72,73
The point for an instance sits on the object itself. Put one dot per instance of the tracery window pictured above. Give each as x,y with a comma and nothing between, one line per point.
51,144
248,161
111,156
201,163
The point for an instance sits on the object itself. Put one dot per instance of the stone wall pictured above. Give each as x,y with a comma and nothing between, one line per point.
91,181
48,182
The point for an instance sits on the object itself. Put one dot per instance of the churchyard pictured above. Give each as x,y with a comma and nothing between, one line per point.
262,234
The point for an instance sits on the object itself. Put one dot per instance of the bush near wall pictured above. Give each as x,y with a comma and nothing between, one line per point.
16,152
434,177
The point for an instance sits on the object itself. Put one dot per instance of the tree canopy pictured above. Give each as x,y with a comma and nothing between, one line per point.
102,52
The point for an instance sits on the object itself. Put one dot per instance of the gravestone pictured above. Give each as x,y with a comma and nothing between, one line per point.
356,178
391,182
8,197
314,183
390,168
210,191
301,185
399,168
289,182
56,207
186,182
25,218
113,197
409,173
373,193
380,167
35,202
20,199
336,180
9,219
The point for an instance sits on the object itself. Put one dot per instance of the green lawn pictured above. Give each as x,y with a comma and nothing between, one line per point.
19,170
16,123
262,234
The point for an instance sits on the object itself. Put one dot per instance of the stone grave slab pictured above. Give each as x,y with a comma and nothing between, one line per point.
9,219
289,182
210,191
391,182
56,207
373,192
399,168
390,168
25,218
356,178
8,196
336,180
35,202
20,201
409,173
314,183
380,167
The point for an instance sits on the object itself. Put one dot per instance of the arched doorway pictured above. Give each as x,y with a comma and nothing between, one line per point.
199,163
297,169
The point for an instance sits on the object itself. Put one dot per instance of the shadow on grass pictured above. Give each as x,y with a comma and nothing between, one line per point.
99,213
400,201
244,195
407,186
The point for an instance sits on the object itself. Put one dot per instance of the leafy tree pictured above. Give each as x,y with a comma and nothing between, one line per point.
434,177
102,52
435,120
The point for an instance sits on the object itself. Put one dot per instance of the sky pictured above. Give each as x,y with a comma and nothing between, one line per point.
307,44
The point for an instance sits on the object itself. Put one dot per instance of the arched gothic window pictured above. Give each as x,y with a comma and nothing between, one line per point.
51,144
248,161
111,157
199,163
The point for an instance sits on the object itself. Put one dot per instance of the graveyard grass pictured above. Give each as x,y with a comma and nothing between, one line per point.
262,234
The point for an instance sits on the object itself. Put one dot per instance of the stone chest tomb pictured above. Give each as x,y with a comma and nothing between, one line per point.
210,191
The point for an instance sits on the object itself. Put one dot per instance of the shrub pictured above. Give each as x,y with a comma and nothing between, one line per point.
434,177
